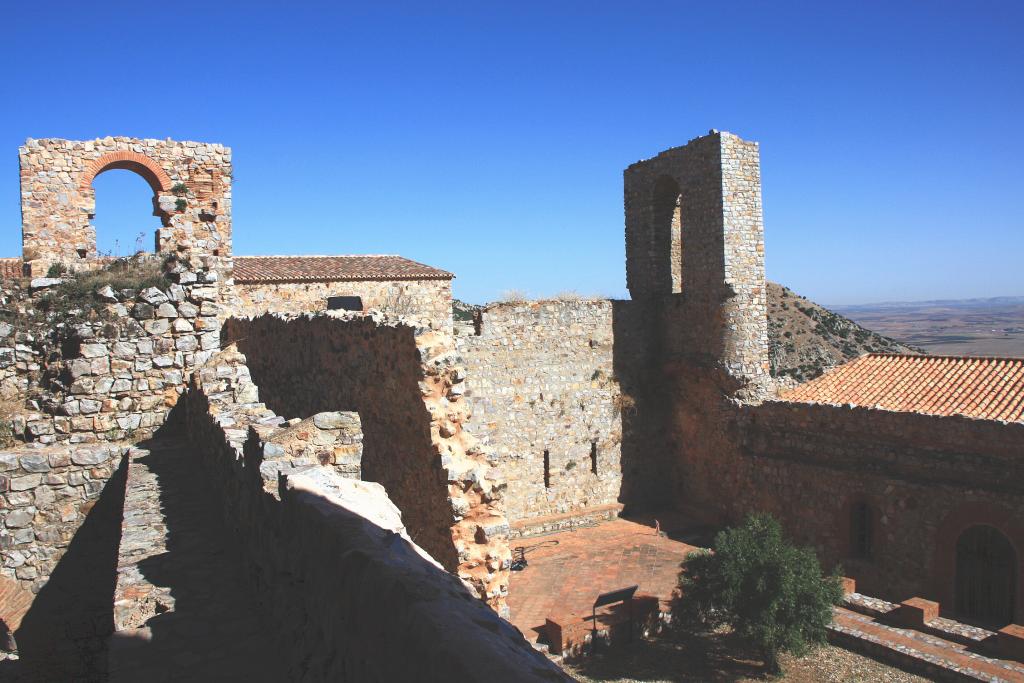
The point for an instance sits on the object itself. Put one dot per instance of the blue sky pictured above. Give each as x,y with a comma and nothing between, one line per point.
490,138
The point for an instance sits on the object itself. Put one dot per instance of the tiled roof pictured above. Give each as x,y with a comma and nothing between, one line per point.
984,388
259,269
10,267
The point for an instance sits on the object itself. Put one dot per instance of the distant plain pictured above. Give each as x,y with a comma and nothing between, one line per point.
965,327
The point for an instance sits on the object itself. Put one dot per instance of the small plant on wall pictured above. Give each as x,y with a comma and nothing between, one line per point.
180,205
179,190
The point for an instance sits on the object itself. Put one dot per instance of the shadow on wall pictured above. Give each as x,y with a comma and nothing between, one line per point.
310,366
64,633
677,408
645,445
212,625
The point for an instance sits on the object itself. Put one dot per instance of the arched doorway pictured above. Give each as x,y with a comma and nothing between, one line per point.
986,576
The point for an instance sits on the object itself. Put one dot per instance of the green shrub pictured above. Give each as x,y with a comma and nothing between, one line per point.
180,204
770,592
57,270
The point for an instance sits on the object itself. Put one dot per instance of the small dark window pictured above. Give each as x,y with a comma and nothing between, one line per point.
82,253
860,530
344,303
547,470
593,457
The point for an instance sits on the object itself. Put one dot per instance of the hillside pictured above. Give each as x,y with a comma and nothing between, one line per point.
805,339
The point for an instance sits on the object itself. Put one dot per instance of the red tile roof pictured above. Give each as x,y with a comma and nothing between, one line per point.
271,269
984,388
10,267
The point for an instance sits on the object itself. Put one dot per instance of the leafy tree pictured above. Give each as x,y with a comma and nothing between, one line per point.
770,592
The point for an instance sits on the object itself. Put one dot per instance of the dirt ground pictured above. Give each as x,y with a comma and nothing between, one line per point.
719,659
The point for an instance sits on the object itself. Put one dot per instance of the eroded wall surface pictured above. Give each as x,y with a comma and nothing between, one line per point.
408,389
541,378
429,301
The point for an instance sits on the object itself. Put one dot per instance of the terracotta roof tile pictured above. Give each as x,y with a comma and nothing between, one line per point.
10,267
269,269
984,388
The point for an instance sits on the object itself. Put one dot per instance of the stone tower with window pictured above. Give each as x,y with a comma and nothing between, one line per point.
695,253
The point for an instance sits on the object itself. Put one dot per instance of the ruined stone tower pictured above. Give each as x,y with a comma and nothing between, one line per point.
695,245
191,184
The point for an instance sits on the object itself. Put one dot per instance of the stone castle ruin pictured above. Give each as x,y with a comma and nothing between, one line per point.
374,465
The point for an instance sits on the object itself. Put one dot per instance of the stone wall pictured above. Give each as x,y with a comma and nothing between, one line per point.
709,191
191,184
408,389
45,494
541,377
106,368
332,562
112,372
428,301
925,479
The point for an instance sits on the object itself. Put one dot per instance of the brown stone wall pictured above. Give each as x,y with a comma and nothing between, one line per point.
191,184
541,378
426,300
356,599
408,389
925,478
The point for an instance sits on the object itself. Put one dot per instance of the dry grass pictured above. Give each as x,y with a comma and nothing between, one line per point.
513,296
9,409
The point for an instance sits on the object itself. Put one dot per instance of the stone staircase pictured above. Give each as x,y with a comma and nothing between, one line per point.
912,636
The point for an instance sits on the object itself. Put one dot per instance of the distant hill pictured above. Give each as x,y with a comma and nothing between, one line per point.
805,339
959,327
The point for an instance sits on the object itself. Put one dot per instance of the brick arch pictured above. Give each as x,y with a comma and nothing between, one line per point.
130,161
1005,520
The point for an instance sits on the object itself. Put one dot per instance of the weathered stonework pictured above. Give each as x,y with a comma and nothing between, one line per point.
46,493
408,388
429,302
340,565
112,376
711,188
191,184
541,379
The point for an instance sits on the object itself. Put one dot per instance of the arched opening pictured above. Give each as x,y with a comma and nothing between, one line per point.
667,233
123,218
986,576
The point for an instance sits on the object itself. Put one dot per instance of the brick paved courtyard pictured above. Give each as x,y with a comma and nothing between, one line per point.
567,570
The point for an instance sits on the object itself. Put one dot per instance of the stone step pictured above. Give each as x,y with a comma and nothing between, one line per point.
925,653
